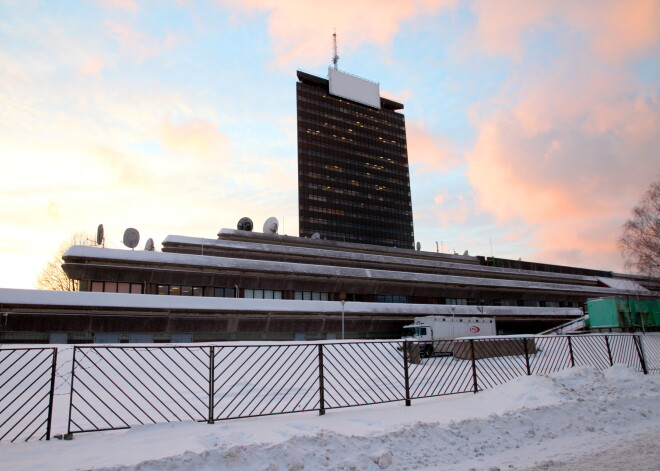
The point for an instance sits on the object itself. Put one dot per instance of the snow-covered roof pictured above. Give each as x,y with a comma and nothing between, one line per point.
619,283
300,269
323,253
192,303
234,234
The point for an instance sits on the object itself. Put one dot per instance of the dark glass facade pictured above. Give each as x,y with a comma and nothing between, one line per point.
353,176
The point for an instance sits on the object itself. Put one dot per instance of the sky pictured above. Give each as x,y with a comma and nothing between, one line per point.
533,127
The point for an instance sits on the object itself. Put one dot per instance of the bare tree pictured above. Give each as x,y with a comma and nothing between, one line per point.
640,241
52,277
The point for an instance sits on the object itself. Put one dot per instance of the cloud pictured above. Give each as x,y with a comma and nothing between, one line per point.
301,29
93,66
195,137
614,30
570,141
129,5
430,151
569,155
141,46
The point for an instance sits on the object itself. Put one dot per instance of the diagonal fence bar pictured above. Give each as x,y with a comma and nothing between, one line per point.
27,380
362,373
256,380
117,387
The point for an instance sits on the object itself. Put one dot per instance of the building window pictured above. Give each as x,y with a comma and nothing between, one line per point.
263,294
391,299
181,290
310,296
457,301
114,287
224,292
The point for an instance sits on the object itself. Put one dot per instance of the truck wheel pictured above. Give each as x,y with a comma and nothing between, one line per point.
428,351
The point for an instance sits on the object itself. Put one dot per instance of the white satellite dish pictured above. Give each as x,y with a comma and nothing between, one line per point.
245,224
316,235
465,254
149,246
419,246
271,225
131,238
100,235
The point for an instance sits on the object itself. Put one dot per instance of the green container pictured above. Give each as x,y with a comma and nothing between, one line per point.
621,313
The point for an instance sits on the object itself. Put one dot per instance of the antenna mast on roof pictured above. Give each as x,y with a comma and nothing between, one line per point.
335,57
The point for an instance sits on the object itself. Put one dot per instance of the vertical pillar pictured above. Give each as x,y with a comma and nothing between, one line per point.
637,340
51,395
211,418
609,350
526,347
69,435
406,378
474,368
321,386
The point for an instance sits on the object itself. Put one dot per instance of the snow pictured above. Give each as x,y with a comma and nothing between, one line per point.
334,254
623,284
306,269
11,296
579,418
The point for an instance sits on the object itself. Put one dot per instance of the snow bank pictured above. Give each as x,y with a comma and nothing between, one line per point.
558,421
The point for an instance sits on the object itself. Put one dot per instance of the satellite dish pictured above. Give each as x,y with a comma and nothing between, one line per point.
419,246
131,238
245,224
149,246
100,235
316,235
465,254
271,225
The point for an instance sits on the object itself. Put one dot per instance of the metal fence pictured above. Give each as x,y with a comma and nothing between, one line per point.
115,387
27,382
651,350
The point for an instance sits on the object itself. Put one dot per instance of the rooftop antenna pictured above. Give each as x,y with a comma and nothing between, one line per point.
335,57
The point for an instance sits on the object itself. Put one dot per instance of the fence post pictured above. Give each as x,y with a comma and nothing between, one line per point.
474,368
529,372
637,340
52,394
321,387
609,350
211,418
570,351
69,435
406,352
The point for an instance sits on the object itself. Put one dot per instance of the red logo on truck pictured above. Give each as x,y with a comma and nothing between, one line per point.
474,329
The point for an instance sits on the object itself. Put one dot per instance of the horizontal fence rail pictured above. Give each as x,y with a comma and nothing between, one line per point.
27,381
117,387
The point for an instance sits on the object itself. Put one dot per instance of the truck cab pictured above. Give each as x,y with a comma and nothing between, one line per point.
417,332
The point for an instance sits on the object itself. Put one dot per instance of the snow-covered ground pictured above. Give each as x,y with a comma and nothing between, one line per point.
577,419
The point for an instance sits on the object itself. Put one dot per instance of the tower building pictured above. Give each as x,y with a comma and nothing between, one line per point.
353,176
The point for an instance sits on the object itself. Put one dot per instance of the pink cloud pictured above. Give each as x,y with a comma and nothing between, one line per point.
92,67
197,137
301,30
615,30
428,150
130,5
141,46
569,156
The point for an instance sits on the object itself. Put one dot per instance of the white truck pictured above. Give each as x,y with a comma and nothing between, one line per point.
435,334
